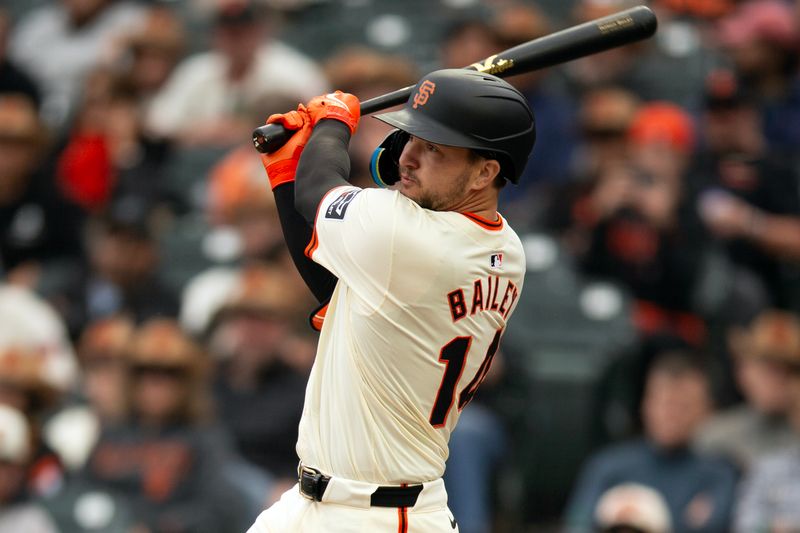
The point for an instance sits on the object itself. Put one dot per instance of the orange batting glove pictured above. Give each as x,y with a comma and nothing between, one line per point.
281,164
337,105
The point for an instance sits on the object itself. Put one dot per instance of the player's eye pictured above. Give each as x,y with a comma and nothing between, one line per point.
431,147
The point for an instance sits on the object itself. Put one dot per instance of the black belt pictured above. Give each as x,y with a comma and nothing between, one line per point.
313,484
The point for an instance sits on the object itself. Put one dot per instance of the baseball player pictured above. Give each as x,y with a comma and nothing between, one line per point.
421,279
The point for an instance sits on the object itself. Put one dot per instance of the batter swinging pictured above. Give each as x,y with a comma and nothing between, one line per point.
427,274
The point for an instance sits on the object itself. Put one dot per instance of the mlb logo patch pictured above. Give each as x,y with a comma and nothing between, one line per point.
496,260
338,207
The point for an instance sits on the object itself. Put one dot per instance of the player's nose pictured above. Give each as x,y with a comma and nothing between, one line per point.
409,157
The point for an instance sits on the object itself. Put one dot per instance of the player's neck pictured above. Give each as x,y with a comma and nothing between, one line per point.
488,214
482,204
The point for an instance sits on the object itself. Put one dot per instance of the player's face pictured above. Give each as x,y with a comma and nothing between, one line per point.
436,176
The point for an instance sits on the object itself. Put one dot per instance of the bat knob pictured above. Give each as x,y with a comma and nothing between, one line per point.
270,137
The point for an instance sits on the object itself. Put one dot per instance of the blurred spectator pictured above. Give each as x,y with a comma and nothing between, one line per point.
648,239
210,97
699,490
731,217
595,191
107,155
121,275
604,117
739,174
262,366
253,320
12,78
632,508
84,170
151,51
101,351
18,512
769,494
30,324
24,387
762,355
37,370
75,428
37,225
60,42
762,39
167,462
367,74
23,384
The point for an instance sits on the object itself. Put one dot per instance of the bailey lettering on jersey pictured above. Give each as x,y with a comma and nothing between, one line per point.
338,207
484,297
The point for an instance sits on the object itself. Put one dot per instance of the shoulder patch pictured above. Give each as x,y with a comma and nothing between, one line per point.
338,207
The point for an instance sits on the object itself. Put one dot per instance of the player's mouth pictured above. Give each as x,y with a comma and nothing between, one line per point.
408,179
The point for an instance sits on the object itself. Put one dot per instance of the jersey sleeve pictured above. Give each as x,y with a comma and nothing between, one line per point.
354,232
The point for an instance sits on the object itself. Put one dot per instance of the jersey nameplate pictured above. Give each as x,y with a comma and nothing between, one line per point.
338,207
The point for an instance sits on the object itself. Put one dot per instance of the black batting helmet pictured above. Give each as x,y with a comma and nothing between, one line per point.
469,109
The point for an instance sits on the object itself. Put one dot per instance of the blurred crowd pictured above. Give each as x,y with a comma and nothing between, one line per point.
154,334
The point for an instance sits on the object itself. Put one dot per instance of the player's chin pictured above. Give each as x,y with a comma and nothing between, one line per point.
414,196
420,199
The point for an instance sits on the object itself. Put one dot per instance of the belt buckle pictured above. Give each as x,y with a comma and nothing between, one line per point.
309,483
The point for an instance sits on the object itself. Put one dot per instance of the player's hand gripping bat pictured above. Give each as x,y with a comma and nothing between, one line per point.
591,37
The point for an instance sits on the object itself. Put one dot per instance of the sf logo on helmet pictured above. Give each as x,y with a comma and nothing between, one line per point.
423,93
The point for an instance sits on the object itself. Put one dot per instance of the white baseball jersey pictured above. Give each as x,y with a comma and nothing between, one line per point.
416,317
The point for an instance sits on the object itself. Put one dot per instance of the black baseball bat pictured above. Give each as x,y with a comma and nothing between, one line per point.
584,39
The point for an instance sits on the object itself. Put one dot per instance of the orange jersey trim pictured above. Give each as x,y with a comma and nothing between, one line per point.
313,244
495,225
318,318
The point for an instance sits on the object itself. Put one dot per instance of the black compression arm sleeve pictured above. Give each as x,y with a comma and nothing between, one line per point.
297,233
325,164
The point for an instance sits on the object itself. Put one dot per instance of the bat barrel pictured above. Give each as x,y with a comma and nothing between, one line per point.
591,37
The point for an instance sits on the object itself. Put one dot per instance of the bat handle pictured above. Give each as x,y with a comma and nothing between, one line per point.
270,137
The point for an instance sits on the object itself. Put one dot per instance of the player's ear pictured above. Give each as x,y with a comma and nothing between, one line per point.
489,170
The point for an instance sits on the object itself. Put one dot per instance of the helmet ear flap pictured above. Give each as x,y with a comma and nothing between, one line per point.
384,165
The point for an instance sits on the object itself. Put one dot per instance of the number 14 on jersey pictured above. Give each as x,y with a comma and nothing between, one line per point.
454,356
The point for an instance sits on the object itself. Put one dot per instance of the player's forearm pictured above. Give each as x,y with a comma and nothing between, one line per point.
325,164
